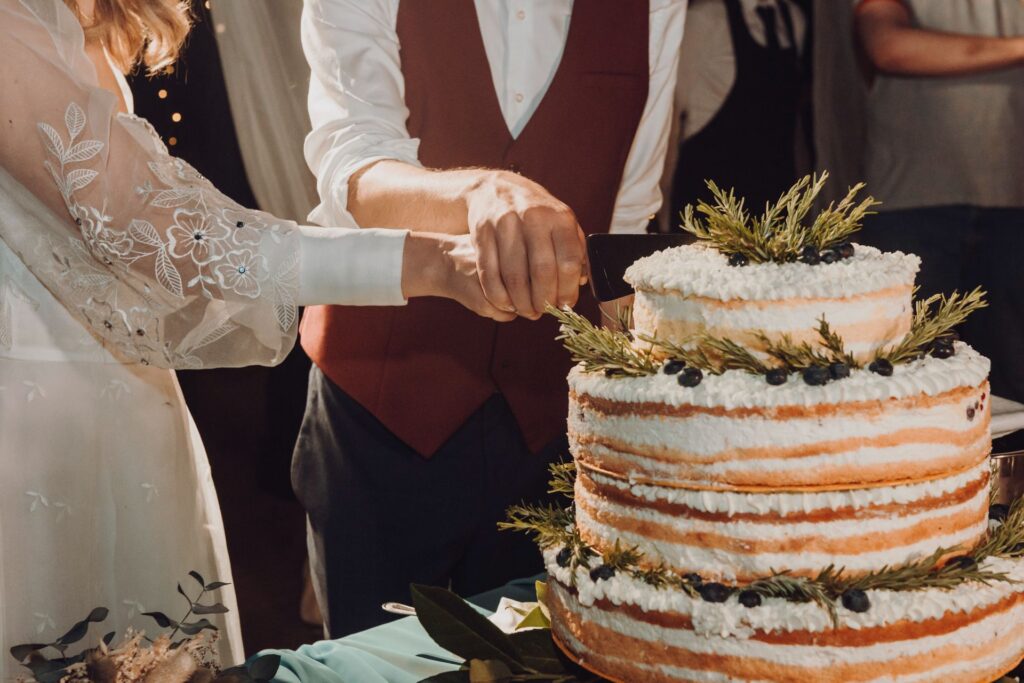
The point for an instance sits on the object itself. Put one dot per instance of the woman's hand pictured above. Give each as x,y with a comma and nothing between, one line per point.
445,265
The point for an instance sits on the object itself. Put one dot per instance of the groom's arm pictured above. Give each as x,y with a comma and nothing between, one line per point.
529,243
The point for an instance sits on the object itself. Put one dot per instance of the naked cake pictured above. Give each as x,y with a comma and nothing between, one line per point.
781,472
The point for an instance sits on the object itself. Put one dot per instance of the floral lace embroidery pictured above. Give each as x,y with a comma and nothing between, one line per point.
211,239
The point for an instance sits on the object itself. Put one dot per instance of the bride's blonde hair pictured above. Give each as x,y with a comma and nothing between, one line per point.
149,32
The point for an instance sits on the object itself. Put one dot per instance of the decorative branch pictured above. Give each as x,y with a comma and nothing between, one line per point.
780,234
599,349
934,317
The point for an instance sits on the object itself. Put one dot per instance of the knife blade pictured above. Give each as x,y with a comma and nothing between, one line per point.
610,255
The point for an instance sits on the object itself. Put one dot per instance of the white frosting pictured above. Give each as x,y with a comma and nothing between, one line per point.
729,564
780,503
977,635
740,389
733,620
699,270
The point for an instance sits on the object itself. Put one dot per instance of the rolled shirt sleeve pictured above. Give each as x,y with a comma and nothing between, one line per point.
356,97
639,196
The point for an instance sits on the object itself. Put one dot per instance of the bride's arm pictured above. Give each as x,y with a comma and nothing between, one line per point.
148,252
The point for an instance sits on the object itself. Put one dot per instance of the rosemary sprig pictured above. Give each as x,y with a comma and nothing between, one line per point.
781,232
794,357
934,317
557,528
549,525
599,349
563,478
709,353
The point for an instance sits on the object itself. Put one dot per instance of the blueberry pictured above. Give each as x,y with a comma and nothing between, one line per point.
998,512
691,377
777,376
970,413
693,579
882,367
942,351
673,367
564,557
962,562
816,375
738,260
750,598
829,256
839,370
810,255
1017,549
856,600
714,592
845,250
602,572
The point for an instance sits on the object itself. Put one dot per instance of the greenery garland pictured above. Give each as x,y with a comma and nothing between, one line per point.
555,527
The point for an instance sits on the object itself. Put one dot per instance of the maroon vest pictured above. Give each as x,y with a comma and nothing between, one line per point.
425,368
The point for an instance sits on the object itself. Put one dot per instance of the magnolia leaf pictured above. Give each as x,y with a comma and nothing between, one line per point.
78,631
459,628
536,649
74,119
265,667
216,608
488,671
541,588
215,585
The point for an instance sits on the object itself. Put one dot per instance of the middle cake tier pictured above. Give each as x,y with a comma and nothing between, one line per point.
735,479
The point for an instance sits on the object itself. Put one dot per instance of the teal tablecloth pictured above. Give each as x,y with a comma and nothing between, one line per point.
386,654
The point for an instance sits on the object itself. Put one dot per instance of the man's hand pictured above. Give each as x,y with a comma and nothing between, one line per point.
530,249
445,265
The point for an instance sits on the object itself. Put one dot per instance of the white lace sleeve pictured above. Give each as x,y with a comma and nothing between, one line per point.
147,252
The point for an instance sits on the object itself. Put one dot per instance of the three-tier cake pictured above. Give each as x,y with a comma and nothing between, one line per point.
781,471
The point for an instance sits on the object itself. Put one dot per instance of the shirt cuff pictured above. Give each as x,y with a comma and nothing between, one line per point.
351,267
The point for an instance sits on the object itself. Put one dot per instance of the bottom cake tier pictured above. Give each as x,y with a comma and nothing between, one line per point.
629,631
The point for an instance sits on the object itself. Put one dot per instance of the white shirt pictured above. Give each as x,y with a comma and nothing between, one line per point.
357,91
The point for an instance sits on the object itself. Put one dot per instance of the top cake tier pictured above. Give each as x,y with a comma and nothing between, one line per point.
685,291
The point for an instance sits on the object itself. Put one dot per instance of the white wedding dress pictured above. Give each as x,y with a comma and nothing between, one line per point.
117,262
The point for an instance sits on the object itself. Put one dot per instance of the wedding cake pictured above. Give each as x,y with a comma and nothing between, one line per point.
781,472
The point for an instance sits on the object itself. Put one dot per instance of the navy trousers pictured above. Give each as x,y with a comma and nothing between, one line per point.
381,516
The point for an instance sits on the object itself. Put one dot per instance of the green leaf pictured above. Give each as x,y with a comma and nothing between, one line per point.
191,628
535,618
78,631
21,652
161,619
459,628
265,668
199,578
488,671
537,650
216,608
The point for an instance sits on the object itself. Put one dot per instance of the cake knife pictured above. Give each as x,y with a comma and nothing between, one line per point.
610,255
